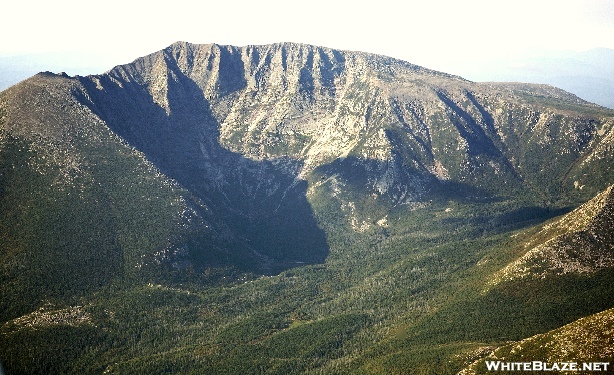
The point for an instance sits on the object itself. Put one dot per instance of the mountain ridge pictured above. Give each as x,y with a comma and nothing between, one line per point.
283,207
580,242
228,120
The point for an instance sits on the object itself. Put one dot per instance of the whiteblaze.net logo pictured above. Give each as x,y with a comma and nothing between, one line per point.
545,366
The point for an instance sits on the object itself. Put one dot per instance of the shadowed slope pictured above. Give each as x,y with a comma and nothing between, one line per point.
261,201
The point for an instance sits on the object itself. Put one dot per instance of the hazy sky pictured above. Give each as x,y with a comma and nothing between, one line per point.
445,35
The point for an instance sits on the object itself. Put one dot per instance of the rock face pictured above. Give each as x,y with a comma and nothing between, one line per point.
253,138
302,107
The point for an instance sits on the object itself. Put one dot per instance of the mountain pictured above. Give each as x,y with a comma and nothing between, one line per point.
587,74
288,208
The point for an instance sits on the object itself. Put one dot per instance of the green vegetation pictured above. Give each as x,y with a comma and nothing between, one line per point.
407,296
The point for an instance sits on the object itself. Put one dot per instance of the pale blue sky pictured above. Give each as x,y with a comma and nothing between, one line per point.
450,36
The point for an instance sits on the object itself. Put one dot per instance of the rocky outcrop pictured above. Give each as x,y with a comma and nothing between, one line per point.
306,107
581,242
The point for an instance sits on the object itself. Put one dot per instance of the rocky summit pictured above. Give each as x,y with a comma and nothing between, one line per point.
305,108
289,208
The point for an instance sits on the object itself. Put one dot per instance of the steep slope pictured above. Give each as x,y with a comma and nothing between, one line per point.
288,208
80,207
401,126
581,242
263,134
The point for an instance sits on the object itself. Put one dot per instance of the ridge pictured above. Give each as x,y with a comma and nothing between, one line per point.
581,242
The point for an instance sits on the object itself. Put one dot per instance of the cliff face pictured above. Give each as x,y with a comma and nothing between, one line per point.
306,107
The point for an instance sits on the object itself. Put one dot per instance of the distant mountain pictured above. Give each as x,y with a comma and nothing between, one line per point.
587,74
285,207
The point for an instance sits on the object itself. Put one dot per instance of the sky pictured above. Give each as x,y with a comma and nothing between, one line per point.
454,36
